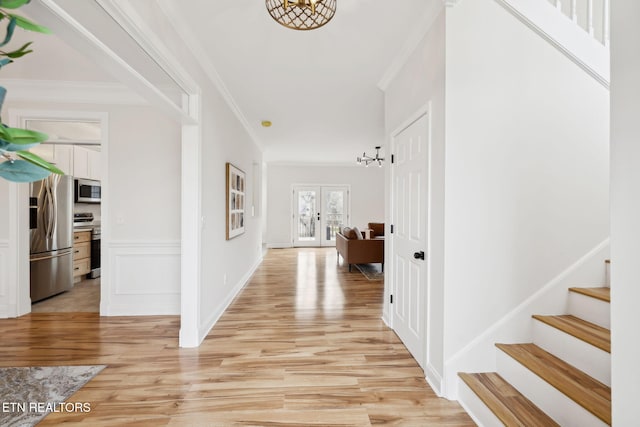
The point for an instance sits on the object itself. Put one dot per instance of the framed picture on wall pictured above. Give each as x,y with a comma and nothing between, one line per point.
236,188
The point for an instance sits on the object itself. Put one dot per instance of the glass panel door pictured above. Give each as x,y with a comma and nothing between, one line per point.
319,212
306,217
334,213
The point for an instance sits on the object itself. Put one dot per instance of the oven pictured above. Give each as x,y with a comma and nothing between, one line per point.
85,221
87,191
95,253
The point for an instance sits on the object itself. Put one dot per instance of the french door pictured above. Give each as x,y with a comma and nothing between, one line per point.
318,213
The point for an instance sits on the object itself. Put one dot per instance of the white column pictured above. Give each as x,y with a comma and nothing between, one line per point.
625,210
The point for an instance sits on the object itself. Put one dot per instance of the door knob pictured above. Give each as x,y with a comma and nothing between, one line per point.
419,255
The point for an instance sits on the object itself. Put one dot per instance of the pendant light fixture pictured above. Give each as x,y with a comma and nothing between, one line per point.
302,14
368,159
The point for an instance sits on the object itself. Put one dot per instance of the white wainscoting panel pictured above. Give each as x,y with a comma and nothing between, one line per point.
143,278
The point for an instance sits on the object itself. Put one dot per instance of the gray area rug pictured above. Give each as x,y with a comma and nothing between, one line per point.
371,271
27,395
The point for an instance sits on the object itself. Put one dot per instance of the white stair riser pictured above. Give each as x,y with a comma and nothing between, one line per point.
475,407
590,309
558,406
584,356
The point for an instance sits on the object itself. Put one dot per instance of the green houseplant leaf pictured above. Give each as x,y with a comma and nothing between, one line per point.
38,161
10,27
12,4
7,146
21,136
22,171
23,22
19,52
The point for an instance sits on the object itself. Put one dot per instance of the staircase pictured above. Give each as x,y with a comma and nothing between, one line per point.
562,377
577,28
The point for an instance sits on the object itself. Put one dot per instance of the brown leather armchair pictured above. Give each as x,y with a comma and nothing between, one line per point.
360,251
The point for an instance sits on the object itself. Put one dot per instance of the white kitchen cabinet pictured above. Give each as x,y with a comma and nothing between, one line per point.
74,160
61,155
95,165
86,163
63,158
80,162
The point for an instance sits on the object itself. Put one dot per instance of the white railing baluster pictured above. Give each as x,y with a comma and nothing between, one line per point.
590,28
559,4
605,23
574,11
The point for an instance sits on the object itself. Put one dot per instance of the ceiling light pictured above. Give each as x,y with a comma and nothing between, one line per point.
265,123
302,14
368,159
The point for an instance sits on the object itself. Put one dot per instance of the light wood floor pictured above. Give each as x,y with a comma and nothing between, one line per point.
83,297
302,345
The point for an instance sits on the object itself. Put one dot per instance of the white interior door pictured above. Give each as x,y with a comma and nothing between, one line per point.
318,213
409,218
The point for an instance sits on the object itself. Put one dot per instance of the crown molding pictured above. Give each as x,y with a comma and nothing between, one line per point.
135,25
201,56
412,42
79,37
71,92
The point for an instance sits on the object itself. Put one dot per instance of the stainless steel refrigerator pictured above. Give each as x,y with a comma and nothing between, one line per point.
51,230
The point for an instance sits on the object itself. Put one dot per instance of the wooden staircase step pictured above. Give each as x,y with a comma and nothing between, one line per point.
603,294
591,394
507,403
588,332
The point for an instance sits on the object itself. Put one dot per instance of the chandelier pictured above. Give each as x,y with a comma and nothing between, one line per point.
368,159
302,14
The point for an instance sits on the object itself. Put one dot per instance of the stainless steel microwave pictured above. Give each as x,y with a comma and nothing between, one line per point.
87,191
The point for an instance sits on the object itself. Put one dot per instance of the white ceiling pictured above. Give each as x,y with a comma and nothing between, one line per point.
319,87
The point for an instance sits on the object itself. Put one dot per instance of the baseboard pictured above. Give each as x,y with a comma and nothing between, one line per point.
434,379
279,245
210,322
516,326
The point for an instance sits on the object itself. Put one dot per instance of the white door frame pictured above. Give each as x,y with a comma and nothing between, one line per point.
49,13
320,191
390,271
20,228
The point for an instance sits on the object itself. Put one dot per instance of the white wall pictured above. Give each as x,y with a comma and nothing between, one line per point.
422,81
625,209
4,212
141,233
225,266
367,194
526,167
